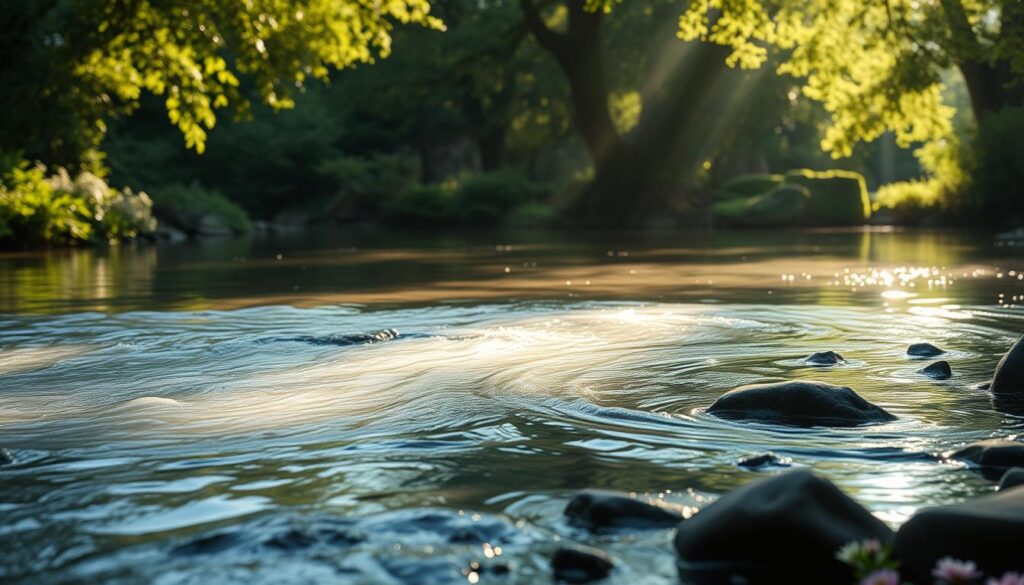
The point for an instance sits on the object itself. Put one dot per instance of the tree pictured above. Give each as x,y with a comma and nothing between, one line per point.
71,65
651,169
877,66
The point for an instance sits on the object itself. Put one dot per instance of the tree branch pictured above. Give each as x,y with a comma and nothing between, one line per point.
554,42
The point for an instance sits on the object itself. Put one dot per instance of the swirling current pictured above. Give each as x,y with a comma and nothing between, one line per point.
438,442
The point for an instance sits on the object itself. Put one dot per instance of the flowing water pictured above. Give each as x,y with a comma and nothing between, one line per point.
381,408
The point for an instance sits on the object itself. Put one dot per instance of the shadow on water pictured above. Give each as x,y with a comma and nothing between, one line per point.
413,413
388,269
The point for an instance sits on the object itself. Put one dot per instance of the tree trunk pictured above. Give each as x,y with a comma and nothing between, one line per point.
579,53
991,87
651,175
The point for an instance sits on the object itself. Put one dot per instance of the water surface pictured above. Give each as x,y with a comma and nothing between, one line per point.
230,411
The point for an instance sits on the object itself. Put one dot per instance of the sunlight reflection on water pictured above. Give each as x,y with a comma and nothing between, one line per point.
136,430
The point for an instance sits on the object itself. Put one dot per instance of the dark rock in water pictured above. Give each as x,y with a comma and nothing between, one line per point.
597,509
938,371
580,564
987,530
208,544
763,460
753,532
924,350
824,358
1008,381
1012,478
992,457
799,403
5,456
346,339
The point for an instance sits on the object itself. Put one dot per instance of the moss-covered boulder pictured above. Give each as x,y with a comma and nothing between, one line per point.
836,197
749,186
783,205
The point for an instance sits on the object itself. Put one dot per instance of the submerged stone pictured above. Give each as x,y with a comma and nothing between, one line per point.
799,403
763,460
580,564
991,457
1012,478
938,370
824,358
988,531
1008,381
599,509
5,456
786,528
346,339
924,350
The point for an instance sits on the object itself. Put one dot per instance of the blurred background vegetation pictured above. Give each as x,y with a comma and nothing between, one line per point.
184,119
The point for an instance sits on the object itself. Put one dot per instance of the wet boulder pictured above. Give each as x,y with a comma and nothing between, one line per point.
763,460
991,457
580,564
924,350
5,456
786,528
1008,381
801,403
1012,478
824,358
600,509
939,370
988,530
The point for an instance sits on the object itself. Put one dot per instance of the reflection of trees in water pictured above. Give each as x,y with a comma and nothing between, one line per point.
84,278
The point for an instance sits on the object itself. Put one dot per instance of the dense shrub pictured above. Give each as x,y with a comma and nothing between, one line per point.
422,204
60,209
489,196
184,207
531,215
365,184
836,197
482,199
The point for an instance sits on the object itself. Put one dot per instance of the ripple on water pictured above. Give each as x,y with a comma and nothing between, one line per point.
156,429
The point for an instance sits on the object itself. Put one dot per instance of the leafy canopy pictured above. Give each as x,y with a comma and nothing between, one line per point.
101,56
875,66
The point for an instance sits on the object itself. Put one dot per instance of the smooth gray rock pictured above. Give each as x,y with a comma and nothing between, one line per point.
753,533
924,350
824,358
992,457
5,456
938,370
599,509
799,403
1008,381
1012,478
988,530
580,564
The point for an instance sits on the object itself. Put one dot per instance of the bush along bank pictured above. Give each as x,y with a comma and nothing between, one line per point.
38,208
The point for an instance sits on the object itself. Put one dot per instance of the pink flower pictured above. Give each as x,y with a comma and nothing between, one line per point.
950,570
1007,579
881,577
